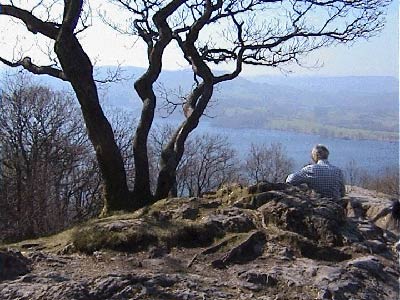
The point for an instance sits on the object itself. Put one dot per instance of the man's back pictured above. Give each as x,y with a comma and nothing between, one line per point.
322,177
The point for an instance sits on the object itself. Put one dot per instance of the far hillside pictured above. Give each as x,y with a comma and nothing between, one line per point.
363,107
349,107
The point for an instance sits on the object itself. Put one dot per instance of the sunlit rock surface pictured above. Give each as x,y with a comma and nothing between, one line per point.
269,241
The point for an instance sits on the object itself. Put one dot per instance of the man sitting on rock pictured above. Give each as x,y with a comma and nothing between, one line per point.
321,176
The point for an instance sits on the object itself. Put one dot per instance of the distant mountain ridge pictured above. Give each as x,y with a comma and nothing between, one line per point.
350,107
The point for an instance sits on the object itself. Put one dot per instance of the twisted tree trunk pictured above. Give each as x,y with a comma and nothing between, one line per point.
172,154
79,71
144,88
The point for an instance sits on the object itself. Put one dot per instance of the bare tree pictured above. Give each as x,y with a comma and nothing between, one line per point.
123,123
48,174
353,173
159,136
384,181
247,32
389,182
267,163
208,163
72,64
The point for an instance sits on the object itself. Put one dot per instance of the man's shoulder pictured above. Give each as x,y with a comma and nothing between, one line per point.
335,171
309,167
327,164
323,167
336,168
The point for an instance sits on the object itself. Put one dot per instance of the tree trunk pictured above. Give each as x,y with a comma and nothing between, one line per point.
144,88
172,154
167,174
79,71
142,190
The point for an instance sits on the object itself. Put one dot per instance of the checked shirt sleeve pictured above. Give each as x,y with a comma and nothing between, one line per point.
299,177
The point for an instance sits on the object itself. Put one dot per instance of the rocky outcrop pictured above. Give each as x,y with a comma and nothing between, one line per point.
13,264
262,242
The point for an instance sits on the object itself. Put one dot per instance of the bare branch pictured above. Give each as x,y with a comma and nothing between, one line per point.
72,13
32,23
27,64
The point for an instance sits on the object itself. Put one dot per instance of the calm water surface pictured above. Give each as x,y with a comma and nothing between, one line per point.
374,156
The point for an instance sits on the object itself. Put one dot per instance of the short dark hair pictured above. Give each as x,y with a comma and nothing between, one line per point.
319,152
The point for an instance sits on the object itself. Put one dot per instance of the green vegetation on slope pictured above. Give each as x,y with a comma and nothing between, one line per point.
332,131
348,126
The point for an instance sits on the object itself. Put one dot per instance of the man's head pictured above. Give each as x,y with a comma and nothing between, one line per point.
319,152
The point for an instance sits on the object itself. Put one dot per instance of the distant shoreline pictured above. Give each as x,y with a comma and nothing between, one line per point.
363,135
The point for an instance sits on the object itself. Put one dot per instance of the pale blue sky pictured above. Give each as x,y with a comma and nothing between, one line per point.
377,57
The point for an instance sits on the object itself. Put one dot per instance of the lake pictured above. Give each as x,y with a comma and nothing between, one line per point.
374,156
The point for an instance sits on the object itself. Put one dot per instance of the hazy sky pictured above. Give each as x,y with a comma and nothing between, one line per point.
378,56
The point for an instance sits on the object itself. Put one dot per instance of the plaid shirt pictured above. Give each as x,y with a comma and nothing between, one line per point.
322,177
